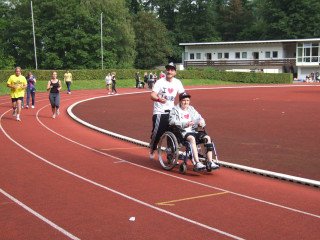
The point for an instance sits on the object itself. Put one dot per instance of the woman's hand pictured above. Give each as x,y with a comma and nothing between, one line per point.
201,123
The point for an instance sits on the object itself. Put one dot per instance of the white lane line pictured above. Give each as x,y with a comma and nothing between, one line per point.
189,220
180,178
223,163
115,191
47,221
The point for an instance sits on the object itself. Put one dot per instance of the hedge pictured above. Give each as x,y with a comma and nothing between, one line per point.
241,77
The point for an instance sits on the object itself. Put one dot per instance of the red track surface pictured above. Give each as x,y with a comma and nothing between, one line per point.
73,182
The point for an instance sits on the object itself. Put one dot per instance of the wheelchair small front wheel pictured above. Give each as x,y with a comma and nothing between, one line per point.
208,166
183,168
168,150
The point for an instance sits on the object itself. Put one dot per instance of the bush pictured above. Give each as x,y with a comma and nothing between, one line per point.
241,77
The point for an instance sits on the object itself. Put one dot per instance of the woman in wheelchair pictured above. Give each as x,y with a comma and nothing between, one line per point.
187,120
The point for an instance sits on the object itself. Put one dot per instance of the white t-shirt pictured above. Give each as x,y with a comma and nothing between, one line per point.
108,80
167,90
185,117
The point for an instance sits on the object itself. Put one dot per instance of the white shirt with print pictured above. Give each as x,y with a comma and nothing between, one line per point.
167,90
185,117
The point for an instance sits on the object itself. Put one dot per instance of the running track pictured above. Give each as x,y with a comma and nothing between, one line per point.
61,180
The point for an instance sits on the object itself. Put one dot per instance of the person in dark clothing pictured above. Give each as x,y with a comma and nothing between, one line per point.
113,78
54,88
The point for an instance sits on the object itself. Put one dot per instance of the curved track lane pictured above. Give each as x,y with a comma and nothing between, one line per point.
61,180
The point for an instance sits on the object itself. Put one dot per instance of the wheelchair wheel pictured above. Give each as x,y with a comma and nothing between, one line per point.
168,150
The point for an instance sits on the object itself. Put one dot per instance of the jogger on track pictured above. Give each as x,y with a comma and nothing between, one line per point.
17,83
54,86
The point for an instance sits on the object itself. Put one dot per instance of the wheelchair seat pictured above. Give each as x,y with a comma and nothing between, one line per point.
181,140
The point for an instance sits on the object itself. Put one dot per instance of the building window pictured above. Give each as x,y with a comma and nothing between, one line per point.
191,56
267,54
185,56
219,55
237,55
198,55
315,52
244,54
275,54
308,52
226,55
299,57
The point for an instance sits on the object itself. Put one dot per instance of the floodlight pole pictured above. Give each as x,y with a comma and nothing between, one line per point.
34,38
101,45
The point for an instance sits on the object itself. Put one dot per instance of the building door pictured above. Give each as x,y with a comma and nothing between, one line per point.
255,55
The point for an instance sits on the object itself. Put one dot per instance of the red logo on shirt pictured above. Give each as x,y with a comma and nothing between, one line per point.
186,116
170,90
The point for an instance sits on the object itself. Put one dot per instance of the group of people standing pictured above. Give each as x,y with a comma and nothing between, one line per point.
313,77
152,78
148,79
111,82
19,84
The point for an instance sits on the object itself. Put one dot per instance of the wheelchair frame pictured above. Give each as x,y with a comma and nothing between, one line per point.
169,152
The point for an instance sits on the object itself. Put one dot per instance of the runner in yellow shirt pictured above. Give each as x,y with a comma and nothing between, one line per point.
17,83
68,80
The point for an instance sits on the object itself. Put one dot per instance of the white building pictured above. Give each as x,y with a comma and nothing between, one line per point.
298,56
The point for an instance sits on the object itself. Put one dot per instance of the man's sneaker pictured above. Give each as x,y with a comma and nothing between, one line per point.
214,165
54,115
18,119
32,106
151,155
14,112
58,112
27,106
199,166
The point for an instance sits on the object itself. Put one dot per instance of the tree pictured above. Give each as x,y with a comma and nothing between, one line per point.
196,22
68,33
234,17
284,19
6,60
166,10
152,39
134,6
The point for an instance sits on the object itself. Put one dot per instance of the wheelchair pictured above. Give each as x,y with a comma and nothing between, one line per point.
172,148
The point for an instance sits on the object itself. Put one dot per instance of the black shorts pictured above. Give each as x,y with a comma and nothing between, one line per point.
199,136
16,99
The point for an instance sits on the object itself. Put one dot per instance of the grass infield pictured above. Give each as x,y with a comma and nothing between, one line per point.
123,83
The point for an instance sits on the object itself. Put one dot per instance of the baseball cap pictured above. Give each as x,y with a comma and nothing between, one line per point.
184,95
171,65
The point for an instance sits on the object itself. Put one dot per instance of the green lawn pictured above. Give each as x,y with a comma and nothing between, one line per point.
100,84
